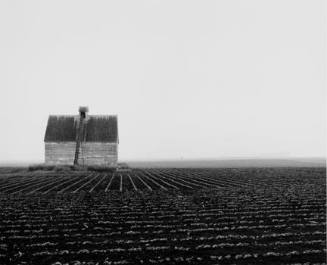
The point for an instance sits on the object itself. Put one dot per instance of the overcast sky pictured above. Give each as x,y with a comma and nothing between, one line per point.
187,79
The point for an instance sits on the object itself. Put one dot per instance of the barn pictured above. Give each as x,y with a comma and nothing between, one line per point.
81,139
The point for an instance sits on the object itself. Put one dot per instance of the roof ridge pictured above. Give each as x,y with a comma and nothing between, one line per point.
92,115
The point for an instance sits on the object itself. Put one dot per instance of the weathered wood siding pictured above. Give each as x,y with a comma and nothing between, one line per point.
60,153
91,153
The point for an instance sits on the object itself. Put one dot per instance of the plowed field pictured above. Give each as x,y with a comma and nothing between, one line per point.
164,216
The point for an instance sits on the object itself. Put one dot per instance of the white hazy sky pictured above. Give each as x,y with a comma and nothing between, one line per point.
187,79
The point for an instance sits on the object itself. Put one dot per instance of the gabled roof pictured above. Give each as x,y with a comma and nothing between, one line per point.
98,129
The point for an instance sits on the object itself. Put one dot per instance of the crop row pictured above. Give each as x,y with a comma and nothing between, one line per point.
183,180
164,216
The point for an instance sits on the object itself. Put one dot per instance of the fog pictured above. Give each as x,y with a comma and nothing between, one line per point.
187,79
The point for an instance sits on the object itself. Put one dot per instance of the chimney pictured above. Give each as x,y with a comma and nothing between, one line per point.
80,131
83,110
